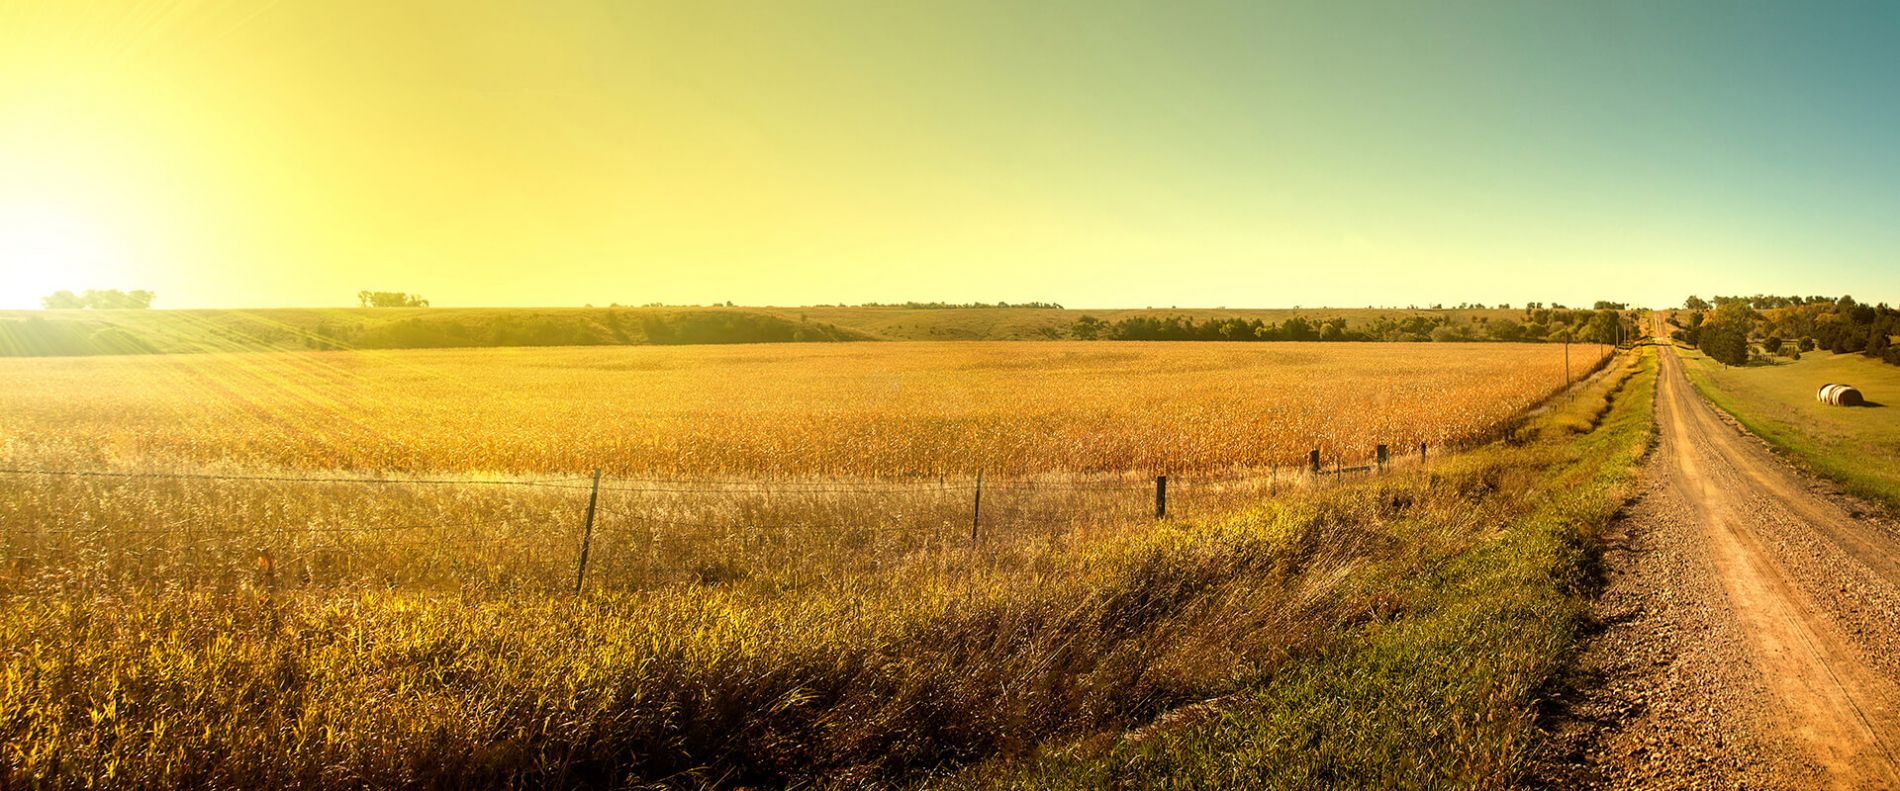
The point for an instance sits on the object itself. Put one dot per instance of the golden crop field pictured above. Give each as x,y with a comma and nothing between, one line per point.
724,464
853,410
341,569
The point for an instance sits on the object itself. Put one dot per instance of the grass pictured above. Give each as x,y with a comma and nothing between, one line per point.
1434,683
1380,631
1858,447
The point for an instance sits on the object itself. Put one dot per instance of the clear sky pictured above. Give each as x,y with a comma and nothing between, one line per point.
1097,154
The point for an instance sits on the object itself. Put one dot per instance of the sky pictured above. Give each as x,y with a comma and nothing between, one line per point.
1095,154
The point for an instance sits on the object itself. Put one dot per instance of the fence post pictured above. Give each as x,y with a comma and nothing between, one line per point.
1382,453
976,514
1161,497
587,533
1312,460
1421,454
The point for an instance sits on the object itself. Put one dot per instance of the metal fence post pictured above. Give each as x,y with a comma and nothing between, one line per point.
976,514
587,533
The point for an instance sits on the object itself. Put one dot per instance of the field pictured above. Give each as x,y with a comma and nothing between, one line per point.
344,569
1858,446
909,411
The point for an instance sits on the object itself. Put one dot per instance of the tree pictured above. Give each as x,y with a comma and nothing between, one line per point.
1506,330
1299,329
1695,303
390,299
1601,328
1725,344
1087,328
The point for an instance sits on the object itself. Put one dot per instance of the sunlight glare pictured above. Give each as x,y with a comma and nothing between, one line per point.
44,248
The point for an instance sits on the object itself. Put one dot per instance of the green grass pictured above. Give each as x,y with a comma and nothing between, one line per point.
1433,685
1858,447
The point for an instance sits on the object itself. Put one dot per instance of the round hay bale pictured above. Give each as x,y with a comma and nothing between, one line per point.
1846,395
1821,394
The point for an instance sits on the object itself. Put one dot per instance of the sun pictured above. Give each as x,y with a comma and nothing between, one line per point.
46,247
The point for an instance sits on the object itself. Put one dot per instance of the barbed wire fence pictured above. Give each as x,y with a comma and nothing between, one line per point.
90,528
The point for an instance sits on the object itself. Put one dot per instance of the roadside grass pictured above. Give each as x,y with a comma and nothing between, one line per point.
1432,683
1857,447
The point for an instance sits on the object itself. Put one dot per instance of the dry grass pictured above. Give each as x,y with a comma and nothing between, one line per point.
820,612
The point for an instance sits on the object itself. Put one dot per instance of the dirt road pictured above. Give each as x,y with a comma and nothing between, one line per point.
1751,626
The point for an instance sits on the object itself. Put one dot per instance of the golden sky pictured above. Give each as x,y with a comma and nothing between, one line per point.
1092,153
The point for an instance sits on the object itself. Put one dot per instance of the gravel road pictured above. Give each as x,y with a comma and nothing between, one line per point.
1750,626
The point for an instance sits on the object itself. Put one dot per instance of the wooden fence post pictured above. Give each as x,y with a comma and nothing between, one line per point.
1421,454
1382,455
1312,460
587,533
1161,497
976,514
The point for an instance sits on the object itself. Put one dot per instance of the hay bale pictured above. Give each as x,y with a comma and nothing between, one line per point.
1840,395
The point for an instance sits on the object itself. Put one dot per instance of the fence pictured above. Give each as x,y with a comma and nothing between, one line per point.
100,528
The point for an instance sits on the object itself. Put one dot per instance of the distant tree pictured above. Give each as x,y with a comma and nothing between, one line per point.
108,299
1601,328
1695,303
390,299
61,300
1088,328
1506,330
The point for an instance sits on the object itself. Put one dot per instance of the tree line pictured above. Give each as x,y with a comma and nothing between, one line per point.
1538,325
106,299
1735,330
